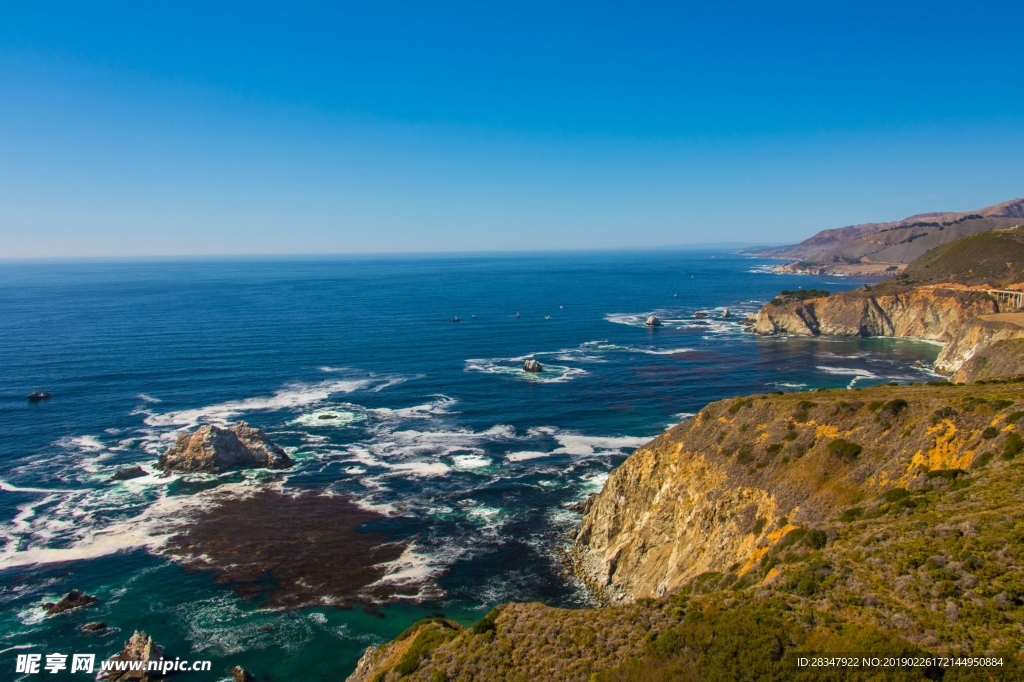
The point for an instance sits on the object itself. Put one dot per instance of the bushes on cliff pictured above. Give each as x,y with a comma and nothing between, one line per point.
844,449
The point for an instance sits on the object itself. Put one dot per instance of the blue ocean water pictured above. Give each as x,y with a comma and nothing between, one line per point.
431,422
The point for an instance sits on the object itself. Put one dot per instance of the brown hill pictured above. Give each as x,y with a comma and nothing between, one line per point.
900,241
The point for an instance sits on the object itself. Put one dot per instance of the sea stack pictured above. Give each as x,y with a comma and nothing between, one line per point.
74,599
140,647
533,366
214,449
652,321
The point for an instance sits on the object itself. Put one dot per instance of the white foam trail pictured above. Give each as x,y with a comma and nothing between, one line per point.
290,397
470,461
422,468
857,374
11,488
525,455
412,568
552,374
590,445
148,398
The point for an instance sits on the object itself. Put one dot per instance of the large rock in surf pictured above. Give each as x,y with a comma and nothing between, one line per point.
214,449
533,366
74,599
128,473
653,321
140,647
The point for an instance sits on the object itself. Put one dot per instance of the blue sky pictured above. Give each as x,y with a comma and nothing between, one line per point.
255,128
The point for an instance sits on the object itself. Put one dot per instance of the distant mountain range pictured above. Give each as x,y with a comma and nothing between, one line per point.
876,246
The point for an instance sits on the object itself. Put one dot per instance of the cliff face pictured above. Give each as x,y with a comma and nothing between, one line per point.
717,493
975,352
931,314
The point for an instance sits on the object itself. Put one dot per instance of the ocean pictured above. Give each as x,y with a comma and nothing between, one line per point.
467,467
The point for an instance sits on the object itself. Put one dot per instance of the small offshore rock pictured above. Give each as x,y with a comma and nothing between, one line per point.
214,449
140,647
240,674
533,366
72,600
95,628
128,473
652,321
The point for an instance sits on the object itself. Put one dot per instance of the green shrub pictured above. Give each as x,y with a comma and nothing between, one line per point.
816,539
1013,446
895,407
1013,417
802,413
943,413
982,460
875,405
851,514
990,433
774,448
896,494
844,449
486,624
759,526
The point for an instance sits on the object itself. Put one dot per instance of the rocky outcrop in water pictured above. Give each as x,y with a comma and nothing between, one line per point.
128,473
75,599
140,647
652,321
214,449
533,366
240,674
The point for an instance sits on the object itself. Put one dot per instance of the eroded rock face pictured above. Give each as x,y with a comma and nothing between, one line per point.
74,599
931,314
718,492
214,449
140,647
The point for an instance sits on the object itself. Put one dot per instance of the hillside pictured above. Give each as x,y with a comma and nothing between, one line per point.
992,259
876,245
888,519
942,296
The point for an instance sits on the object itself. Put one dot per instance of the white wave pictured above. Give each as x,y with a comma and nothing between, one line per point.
437,407
414,568
290,397
328,418
525,455
789,384
683,416
594,483
470,462
83,443
572,444
551,374
848,371
854,372
148,398
422,468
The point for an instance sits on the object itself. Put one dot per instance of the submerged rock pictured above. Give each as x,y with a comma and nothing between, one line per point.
214,449
128,473
653,321
533,366
240,674
72,600
95,628
140,647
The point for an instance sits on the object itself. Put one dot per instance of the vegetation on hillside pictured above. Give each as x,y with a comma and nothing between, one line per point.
788,296
993,258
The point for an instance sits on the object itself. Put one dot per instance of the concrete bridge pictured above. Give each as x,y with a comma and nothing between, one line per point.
1013,300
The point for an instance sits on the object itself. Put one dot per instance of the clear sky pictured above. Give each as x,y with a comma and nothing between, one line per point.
181,128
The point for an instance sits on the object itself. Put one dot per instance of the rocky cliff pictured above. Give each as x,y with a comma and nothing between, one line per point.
930,313
769,525
716,493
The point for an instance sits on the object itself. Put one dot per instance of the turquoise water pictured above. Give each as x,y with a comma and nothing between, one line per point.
474,464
